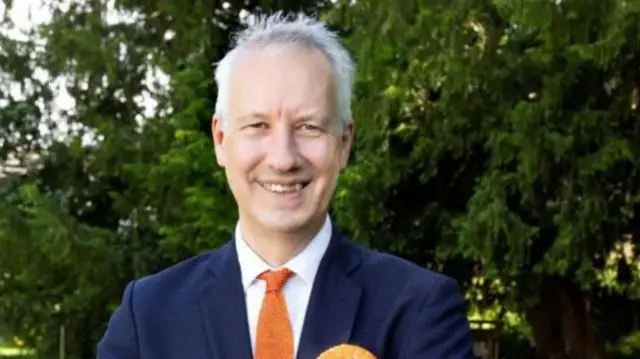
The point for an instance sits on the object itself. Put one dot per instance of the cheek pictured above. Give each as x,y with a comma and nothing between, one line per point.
243,156
324,161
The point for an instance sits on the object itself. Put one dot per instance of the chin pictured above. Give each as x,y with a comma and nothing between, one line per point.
285,221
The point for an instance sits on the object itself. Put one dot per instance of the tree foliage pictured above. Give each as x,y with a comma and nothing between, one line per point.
496,141
123,183
510,139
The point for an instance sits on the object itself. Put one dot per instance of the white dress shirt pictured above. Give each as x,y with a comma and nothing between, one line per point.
297,290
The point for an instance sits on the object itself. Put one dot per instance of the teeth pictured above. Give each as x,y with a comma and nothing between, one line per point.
280,188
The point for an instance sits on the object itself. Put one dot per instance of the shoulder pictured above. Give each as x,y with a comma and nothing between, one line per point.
389,284
177,282
391,272
427,307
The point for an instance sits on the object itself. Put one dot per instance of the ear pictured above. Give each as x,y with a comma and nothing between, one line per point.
347,142
217,132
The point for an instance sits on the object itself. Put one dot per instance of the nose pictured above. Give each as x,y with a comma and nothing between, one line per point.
282,150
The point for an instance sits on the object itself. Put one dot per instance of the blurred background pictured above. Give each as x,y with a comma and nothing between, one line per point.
498,141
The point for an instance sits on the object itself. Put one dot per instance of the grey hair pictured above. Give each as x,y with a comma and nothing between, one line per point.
280,29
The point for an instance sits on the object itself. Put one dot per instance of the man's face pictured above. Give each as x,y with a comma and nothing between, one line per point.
282,145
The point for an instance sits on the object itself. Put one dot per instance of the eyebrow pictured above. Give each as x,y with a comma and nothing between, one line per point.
254,114
313,115
301,117
251,116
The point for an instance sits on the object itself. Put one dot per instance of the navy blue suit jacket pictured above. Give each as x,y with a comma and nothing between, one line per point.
196,310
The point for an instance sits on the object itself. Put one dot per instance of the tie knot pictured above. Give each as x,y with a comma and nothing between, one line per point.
276,279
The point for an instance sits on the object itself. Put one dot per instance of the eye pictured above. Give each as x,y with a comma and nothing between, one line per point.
309,127
257,125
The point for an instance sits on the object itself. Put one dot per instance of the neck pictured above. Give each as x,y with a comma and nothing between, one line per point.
276,247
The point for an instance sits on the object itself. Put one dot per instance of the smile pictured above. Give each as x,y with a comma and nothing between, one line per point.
283,188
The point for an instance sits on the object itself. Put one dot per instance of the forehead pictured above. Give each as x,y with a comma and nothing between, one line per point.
282,79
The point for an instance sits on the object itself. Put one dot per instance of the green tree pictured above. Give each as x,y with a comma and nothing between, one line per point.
496,140
505,134
115,189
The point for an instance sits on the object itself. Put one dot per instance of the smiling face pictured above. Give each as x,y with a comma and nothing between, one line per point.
282,144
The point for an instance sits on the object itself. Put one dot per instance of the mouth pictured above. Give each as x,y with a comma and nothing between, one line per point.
284,188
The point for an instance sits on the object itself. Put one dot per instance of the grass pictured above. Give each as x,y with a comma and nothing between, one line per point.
13,352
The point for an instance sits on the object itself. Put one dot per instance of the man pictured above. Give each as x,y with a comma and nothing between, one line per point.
288,284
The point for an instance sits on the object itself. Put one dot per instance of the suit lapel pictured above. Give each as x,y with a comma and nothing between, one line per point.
334,301
223,310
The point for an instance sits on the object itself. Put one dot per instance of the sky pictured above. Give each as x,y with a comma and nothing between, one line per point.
25,14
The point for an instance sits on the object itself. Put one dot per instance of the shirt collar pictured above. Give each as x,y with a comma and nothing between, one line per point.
305,264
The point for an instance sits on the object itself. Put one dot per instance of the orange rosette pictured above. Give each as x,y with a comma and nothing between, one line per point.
346,351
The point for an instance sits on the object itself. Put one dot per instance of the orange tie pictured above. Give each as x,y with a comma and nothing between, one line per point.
274,338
